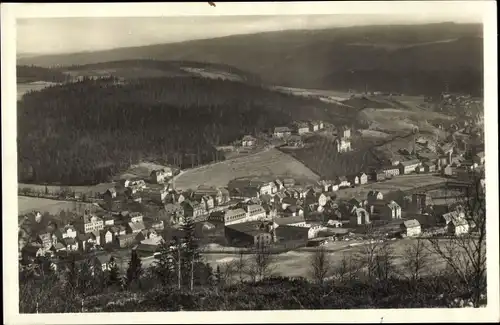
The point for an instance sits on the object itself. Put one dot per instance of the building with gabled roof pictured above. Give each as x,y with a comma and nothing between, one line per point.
411,228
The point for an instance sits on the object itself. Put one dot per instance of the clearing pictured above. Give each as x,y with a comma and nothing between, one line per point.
28,204
401,182
271,162
393,120
297,263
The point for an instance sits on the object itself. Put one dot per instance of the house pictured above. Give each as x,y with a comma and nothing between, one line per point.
87,241
234,216
345,132
208,201
255,212
110,193
71,244
135,217
342,145
293,210
108,220
193,209
135,227
314,126
158,225
342,181
479,158
353,179
409,166
157,194
108,236
457,226
325,184
363,178
319,198
89,223
175,198
420,169
248,141
429,167
378,175
419,202
301,128
278,197
355,203
373,196
390,171
294,141
249,234
411,228
385,210
359,217
126,240
45,240
279,185
282,131
159,176
251,188
220,195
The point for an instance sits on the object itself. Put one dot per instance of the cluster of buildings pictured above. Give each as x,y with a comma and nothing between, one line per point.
88,233
426,156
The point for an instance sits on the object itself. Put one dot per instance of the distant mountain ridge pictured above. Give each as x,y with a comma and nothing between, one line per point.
384,58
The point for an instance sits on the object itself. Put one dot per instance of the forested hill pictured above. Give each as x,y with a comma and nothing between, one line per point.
32,73
410,59
85,132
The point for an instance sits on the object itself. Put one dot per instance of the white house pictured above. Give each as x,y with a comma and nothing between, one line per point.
343,145
411,228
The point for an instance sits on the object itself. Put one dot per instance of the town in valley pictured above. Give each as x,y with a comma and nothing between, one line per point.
201,174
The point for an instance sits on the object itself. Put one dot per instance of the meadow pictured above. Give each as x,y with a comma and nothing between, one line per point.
29,204
401,182
268,163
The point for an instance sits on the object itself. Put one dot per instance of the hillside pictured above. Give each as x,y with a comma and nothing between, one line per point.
84,132
411,59
29,74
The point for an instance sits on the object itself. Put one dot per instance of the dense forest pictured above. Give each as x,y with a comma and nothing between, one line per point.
85,132
31,73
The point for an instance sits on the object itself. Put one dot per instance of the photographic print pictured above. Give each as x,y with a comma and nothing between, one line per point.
252,161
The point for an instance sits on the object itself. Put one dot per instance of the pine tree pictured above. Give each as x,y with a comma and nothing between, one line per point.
218,276
134,270
191,254
164,266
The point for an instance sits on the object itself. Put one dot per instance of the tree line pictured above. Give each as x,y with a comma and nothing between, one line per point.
31,73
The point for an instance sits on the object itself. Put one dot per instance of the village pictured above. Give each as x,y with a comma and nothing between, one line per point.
281,213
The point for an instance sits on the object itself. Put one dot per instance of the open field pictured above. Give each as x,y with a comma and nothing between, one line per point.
297,263
28,204
393,120
23,88
99,188
270,162
402,182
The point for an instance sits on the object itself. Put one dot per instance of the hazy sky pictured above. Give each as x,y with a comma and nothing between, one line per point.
59,35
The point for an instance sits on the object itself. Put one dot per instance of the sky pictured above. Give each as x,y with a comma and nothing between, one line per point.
66,35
